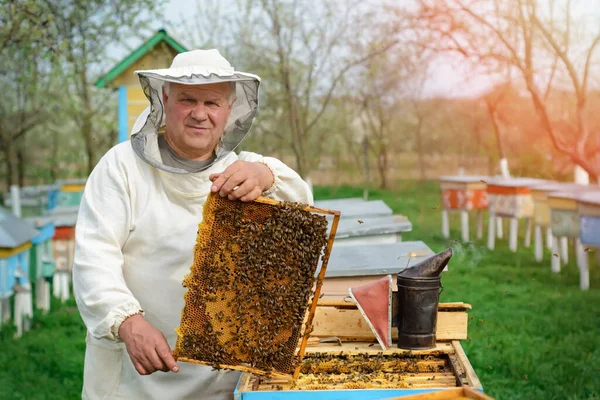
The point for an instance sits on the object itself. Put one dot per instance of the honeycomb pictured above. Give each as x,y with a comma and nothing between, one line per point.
249,286
363,371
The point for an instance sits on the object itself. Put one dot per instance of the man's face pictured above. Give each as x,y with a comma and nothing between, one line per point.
196,118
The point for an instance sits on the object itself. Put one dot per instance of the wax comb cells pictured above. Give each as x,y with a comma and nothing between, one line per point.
250,284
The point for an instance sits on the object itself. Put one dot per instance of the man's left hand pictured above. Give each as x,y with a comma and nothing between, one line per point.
249,179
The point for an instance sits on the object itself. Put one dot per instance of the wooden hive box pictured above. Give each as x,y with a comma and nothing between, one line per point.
564,218
564,208
464,192
450,394
512,198
341,338
588,206
541,212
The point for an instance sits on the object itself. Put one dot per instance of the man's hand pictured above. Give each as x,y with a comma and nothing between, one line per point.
147,347
249,178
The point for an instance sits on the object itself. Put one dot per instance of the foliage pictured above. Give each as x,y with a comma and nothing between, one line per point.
543,44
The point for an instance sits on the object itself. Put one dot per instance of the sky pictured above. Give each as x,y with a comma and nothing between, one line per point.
449,77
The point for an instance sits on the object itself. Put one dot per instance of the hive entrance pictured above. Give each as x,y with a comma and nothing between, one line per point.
250,284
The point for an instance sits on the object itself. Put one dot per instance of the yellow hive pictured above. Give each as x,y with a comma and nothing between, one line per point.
250,285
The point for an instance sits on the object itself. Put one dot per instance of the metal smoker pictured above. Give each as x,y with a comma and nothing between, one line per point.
412,308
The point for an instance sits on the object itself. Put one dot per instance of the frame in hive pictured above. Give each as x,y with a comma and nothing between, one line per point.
251,283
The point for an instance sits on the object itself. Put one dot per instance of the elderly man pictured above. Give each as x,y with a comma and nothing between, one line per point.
138,222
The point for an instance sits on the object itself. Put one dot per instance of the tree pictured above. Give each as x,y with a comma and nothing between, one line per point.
86,27
304,51
542,42
389,96
27,44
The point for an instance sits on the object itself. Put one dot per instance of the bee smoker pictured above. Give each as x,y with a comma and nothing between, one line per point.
413,308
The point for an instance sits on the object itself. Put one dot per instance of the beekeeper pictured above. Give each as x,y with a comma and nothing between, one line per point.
138,223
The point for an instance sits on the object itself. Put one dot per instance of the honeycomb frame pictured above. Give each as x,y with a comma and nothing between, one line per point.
247,304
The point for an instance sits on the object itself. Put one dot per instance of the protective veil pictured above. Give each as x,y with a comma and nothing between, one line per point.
136,232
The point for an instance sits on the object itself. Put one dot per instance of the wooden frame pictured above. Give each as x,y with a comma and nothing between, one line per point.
312,307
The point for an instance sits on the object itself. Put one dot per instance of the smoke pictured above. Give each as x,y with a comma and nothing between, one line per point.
466,254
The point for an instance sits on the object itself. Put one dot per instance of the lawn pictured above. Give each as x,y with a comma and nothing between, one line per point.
532,334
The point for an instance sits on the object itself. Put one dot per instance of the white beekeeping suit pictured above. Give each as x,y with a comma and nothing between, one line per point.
136,232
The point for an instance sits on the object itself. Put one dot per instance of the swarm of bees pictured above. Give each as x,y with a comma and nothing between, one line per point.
250,284
361,371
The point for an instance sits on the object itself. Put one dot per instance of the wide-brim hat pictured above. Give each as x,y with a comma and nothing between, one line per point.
196,67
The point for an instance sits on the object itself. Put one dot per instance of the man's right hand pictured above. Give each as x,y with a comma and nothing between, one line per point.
147,347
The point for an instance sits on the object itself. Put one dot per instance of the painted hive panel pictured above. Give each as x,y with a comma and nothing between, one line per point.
454,199
590,230
564,223
69,199
541,213
250,285
589,209
518,205
7,277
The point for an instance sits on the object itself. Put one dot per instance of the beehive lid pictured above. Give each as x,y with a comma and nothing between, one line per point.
378,225
518,182
332,204
358,209
63,216
592,197
251,283
464,178
376,259
14,231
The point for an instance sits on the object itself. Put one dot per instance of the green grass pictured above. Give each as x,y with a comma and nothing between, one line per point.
533,334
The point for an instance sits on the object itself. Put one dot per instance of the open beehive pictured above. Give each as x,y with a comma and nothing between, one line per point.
251,283
344,360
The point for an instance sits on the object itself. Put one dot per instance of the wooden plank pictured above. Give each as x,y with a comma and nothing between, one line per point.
242,386
456,306
349,324
136,94
588,209
375,348
472,378
449,394
561,203
458,370
242,368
